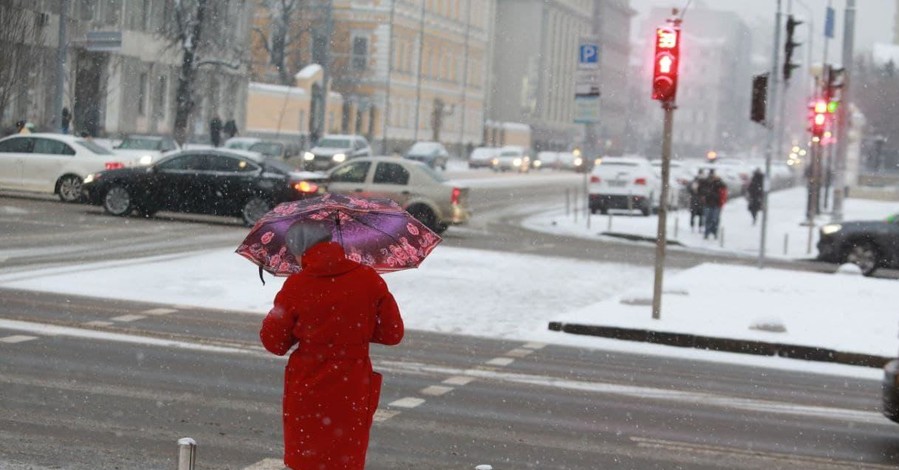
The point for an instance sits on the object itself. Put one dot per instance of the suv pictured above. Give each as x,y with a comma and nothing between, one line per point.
145,149
433,154
332,150
624,183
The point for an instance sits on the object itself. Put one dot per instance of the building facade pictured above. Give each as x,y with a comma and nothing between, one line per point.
612,27
533,68
126,86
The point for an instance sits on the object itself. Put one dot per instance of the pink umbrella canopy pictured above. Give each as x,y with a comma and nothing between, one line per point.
374,232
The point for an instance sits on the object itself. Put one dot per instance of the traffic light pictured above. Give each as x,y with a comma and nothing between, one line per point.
832,85
759,98
818,117
789,46
664,76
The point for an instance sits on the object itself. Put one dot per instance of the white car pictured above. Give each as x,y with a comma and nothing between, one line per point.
624,183
680,175
332,150
52,163
512,158
482,157
144,149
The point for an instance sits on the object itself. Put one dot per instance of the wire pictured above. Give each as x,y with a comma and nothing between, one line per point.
684,11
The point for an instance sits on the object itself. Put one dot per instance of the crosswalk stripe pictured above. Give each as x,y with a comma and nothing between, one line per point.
17,339
408,402
519,352
127,318
266,464
500,361
459,380
159,311
436,390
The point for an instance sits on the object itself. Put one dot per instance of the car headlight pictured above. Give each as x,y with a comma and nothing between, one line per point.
308,156
494,162
146,160
831,229
578,161
339,157
89,178
537,163
516,162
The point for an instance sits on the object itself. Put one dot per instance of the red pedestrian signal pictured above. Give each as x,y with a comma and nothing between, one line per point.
818,117
664,76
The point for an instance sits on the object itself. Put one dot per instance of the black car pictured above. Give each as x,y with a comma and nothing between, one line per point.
890,390
868,244
208,181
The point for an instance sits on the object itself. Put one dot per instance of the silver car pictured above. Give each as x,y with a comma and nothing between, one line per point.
419,189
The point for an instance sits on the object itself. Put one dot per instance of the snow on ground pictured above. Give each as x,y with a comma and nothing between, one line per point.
515,296
787,237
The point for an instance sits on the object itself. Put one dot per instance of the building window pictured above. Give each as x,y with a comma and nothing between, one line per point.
360,53
162,90
142,95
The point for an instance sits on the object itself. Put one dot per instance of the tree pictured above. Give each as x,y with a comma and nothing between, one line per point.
280,39
19,36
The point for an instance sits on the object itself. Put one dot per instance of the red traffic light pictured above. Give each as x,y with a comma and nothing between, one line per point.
667,55
818,117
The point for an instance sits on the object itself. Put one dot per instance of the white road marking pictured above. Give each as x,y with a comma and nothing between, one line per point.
384,415
459,380
408,402
127,318
267,464
17,339
534,346
519,352
500,361
159,311
436,390
98,323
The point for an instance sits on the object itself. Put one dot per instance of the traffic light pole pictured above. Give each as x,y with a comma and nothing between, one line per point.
661,237
843,114
769,138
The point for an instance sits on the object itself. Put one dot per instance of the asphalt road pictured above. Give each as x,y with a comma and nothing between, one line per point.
88,383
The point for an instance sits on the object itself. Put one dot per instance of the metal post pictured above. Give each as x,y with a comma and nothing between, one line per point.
676,221
465,77
772,98
843,113
421,47
786,244
609,228
721,235
386,120
668,106
187,453
61,48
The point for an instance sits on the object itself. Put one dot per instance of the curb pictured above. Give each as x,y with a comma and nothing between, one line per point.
757,348
638,238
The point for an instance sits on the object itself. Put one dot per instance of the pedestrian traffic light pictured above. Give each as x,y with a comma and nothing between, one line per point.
818,116
664,76
759,98
832,85
789,46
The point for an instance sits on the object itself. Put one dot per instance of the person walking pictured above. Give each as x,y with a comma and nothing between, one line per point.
331,310
230,128
22,127
696,203
714,197
215,131
66,119
756,191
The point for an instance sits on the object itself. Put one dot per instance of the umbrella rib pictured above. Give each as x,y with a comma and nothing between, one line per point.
375,228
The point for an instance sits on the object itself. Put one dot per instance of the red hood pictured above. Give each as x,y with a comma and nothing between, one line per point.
326,259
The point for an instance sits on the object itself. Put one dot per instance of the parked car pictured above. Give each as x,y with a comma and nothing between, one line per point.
624,183
145,149
869,244
425,193
51,163
268,148
332,150
482,157
681,175
433,154
512,158
206,181
558,160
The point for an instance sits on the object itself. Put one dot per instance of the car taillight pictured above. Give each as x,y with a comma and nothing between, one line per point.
595,179
114,165
457,193
305,187
640,181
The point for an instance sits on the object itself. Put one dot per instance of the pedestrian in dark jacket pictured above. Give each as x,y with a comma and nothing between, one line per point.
215,131
331,311
696,203
66,119
756,192
714,197
230,128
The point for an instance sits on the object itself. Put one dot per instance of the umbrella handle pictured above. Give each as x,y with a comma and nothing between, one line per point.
260,275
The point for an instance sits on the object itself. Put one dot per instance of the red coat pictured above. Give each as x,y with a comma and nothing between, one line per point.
332,309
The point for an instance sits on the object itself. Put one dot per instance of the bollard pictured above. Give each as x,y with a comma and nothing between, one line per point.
811,231
567,203
187,453
786,243
676,226
588,219
574,207
609,229
722,236
630,202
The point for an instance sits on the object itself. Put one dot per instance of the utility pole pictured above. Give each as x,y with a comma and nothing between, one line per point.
62,47
769,136
321,118
386,119
664,89
421,46
843,113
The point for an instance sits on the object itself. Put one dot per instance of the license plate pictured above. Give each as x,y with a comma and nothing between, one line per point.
617,183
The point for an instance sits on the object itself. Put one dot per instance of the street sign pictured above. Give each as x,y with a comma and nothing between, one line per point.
103,41
828,23
586,109
588,55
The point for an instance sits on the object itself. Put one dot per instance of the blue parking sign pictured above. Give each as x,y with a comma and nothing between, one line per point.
589,55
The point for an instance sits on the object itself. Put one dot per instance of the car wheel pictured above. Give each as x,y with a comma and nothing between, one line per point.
424,215
69,188
117,201
254,209
863,254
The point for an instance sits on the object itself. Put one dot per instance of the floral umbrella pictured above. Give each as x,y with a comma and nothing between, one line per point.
374,232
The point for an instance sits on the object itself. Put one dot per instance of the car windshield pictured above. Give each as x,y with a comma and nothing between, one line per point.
510,153
424,148
273,149
240,144
137,143
330,142
619,163
93,147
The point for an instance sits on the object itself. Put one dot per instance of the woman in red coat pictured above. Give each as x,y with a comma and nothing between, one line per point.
331,310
